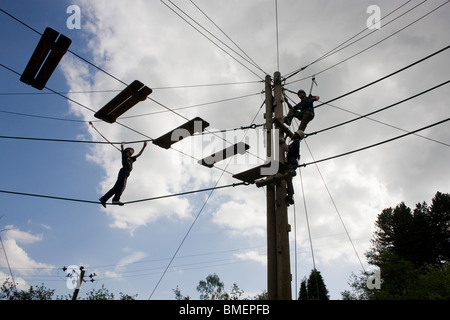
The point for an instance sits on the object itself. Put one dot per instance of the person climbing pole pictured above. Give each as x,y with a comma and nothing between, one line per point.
124,173
304,110
292,156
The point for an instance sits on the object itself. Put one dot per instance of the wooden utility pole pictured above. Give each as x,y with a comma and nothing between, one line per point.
272,277
79,282
275,172
283,228
278,259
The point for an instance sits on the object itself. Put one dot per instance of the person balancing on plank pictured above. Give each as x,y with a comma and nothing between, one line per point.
124,172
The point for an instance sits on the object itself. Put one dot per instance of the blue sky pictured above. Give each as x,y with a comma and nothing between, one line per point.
129,247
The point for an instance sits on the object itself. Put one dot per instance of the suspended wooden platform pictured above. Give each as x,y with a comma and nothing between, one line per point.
124,101
48,53
239,147
188,129
267,169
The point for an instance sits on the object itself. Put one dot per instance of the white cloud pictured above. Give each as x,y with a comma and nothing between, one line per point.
146,41
122,265
112,274
19,236
22,265
252,255
243,217
46,226
130,259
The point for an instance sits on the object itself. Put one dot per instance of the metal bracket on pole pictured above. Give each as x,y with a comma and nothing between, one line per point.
275,179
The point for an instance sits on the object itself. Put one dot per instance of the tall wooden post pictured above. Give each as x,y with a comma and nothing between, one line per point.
79,282
282,227
272,274
278,259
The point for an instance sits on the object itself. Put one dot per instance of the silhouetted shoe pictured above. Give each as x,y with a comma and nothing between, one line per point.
118,202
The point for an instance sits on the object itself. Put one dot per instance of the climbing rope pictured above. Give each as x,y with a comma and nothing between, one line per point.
92,125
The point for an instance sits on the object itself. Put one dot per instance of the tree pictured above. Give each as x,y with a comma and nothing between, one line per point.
314,288
303,294
262,296
420,236
124,296
411,249
212,289
104,294
9,292
359,289
236,292
100,294
440,226
179,296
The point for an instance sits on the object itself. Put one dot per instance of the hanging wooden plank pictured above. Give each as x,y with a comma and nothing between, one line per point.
45,58
239,147
124,101
267,169
188,129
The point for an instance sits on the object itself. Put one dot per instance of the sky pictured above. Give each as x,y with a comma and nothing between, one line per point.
219,79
